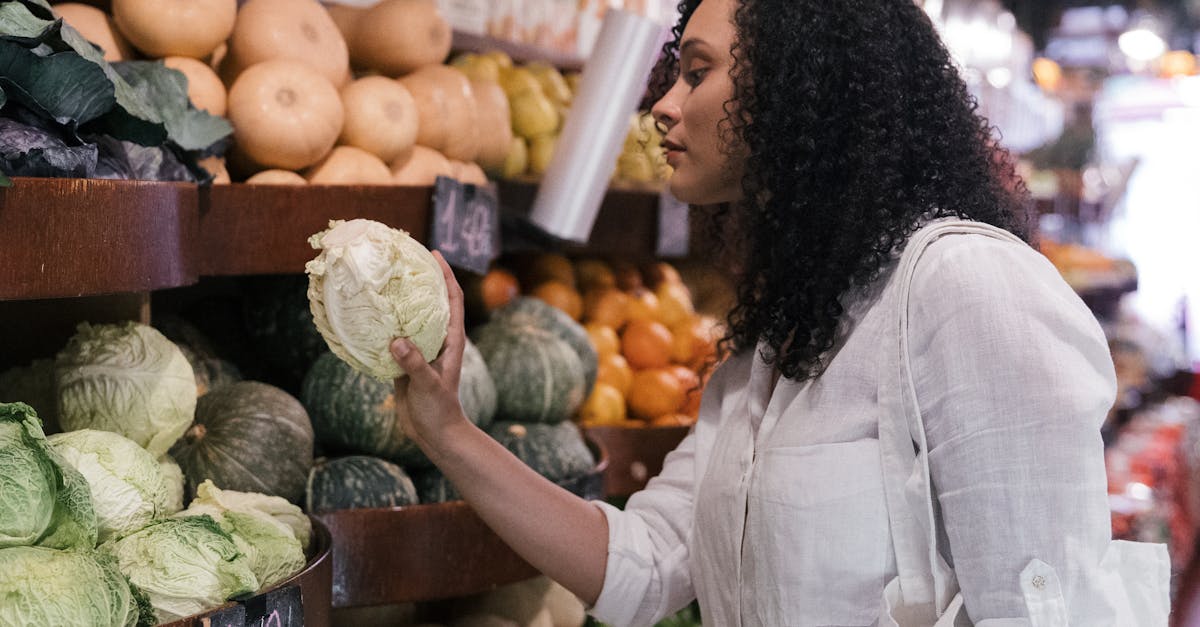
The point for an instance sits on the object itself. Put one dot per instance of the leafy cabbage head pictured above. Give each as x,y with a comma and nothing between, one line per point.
127,484
43,586
261,526
184,565
173,475
43,500
128,379
372,283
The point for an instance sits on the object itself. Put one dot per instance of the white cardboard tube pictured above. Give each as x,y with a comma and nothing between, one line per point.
613,82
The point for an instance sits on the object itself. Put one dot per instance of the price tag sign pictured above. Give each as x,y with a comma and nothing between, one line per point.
232,616
466,224
278,608
674,226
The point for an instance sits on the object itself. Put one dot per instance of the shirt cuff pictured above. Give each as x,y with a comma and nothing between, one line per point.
625,581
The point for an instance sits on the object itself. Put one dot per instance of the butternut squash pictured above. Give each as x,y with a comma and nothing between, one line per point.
299,30
347,165
420,165
97,27
179,28
276,177
381,117
284,114
396,37
446,108
205,89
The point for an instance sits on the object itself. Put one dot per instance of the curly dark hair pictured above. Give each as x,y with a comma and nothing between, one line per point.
857,126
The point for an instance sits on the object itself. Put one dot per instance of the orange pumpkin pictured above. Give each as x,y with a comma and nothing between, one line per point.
347,165
204,87
276,177
381,117
420,165
396,37
97,27
299,30
446,108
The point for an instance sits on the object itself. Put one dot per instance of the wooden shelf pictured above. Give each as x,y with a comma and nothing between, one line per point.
82,237
385,556
314,583
264,229
634,454
626,225
416,553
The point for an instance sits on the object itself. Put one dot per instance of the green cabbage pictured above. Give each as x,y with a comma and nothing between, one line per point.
173,475
41,586
127,379
127,485
184,565
272,546
370,284
43,500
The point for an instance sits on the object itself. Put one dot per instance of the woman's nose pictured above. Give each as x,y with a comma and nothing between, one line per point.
666,110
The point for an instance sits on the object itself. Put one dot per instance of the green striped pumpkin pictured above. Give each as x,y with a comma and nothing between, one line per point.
433,486
357,482
536,313
556,452
355,413
538,376
249,437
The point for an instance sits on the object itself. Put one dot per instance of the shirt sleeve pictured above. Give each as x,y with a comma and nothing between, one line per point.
1013,379
647,575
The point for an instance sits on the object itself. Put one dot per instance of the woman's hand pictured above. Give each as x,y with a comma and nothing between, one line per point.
427,397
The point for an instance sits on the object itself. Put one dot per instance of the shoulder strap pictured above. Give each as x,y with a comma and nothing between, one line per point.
924,577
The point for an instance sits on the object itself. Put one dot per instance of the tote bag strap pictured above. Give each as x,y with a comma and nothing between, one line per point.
924,577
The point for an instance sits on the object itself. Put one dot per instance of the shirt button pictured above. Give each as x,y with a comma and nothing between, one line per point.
1039,582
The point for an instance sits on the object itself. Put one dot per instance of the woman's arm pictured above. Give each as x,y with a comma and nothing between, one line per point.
560,534
1013,380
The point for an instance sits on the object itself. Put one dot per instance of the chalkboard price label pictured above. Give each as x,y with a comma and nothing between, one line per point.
232,616
278,608
466,224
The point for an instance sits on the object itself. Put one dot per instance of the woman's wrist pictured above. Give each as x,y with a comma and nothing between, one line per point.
445,444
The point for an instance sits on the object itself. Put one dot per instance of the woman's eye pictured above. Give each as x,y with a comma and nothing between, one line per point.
693,77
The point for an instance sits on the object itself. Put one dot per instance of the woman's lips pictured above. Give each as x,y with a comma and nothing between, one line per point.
673,151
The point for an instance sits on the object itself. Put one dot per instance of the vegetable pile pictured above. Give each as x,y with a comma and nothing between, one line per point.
67,112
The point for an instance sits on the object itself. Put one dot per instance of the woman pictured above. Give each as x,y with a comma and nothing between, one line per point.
830,133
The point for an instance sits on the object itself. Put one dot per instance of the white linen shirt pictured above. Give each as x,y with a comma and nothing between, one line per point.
772,510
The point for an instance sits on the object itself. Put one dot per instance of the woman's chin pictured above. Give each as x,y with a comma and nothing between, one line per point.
698,193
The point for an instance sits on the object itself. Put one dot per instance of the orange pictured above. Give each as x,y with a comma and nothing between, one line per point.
615,371
604,406
675,303
655,392
499,288
643,305
547,267
604,339
628,277
660,272
646,344
694,342
594,274
687,378
608,307
561,296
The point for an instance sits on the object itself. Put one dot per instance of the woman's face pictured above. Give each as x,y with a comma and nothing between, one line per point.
708,169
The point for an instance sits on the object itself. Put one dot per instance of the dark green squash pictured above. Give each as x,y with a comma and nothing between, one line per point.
280,326
356,482
556,452
250,437
537,375
537,313
433,487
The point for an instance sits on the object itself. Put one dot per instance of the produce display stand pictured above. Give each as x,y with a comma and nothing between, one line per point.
635,454
385,556
82,237
314,584
264,229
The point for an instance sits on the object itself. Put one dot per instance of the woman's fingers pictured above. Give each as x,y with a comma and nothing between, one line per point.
450,359
410,359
